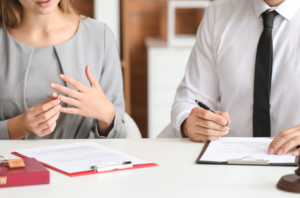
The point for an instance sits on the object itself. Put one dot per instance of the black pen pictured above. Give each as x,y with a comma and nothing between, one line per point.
207,108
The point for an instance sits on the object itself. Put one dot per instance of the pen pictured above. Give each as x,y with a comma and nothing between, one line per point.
207,108
112,168
111,164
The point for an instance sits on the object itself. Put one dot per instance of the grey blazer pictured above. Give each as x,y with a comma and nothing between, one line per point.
93,45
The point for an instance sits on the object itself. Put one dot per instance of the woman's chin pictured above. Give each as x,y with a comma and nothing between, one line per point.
44,9
44,12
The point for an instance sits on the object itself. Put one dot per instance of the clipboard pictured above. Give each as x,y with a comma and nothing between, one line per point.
246,160
91,172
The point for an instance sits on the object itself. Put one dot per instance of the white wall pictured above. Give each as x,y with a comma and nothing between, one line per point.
166,69
108,11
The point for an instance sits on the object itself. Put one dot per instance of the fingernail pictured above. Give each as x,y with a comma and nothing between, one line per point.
271,151
57,101
296,153
226,132
52,85
54,95
279,152
224,122
62,76
58,107
227,128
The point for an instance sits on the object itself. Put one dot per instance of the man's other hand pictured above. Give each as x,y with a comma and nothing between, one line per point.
285,141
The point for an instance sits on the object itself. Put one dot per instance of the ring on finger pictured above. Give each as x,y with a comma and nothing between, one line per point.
58,96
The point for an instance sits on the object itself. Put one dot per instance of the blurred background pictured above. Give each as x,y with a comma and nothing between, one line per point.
155,38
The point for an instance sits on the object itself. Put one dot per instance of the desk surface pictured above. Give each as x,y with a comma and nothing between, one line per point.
176,176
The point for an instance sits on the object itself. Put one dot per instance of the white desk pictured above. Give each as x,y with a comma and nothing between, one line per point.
176,176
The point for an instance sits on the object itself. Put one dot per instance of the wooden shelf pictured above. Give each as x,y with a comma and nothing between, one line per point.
125,63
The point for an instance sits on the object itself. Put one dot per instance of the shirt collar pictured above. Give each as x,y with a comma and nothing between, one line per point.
287,9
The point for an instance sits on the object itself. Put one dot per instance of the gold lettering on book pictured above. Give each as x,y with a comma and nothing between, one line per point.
3,180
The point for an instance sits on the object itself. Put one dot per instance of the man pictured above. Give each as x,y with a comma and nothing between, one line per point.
246,61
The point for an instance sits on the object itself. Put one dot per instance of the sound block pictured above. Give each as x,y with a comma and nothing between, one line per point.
289,183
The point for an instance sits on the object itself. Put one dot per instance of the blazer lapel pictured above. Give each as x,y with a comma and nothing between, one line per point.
72,59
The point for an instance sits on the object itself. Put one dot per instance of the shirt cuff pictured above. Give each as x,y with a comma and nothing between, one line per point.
118,130
4,130
180,119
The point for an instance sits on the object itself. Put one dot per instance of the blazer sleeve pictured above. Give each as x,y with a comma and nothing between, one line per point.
111,82
3,130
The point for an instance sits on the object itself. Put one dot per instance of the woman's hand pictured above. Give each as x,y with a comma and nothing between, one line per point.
89,102
285,141
40,120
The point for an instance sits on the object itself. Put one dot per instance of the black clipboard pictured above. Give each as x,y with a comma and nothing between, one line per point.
247,163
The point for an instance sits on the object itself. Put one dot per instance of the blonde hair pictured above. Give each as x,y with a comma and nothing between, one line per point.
11,11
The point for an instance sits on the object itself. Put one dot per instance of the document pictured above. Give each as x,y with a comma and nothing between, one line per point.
237,148
78,157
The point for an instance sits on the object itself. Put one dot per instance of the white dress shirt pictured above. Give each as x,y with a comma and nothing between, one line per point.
220,71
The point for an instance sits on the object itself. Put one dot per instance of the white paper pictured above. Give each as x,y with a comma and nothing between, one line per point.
78,157
238,148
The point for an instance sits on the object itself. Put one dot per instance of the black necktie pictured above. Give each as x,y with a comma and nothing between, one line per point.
263,78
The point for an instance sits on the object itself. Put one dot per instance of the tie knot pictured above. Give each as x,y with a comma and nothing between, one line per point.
268,18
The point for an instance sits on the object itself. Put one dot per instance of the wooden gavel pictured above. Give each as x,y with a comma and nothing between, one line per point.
291,183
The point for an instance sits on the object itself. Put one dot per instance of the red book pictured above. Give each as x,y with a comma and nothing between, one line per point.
33,173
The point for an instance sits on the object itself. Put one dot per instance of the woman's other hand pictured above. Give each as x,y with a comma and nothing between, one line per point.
89,102
40,120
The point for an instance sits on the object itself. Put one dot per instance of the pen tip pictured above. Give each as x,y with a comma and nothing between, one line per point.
196,101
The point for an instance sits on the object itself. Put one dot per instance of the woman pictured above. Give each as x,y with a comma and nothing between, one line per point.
47,91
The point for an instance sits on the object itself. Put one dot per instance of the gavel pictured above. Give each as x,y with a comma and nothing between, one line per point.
291,183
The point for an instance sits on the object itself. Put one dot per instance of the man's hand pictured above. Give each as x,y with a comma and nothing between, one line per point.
285,141
203,125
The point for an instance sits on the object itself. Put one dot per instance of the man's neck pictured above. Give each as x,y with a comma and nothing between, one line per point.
274,3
